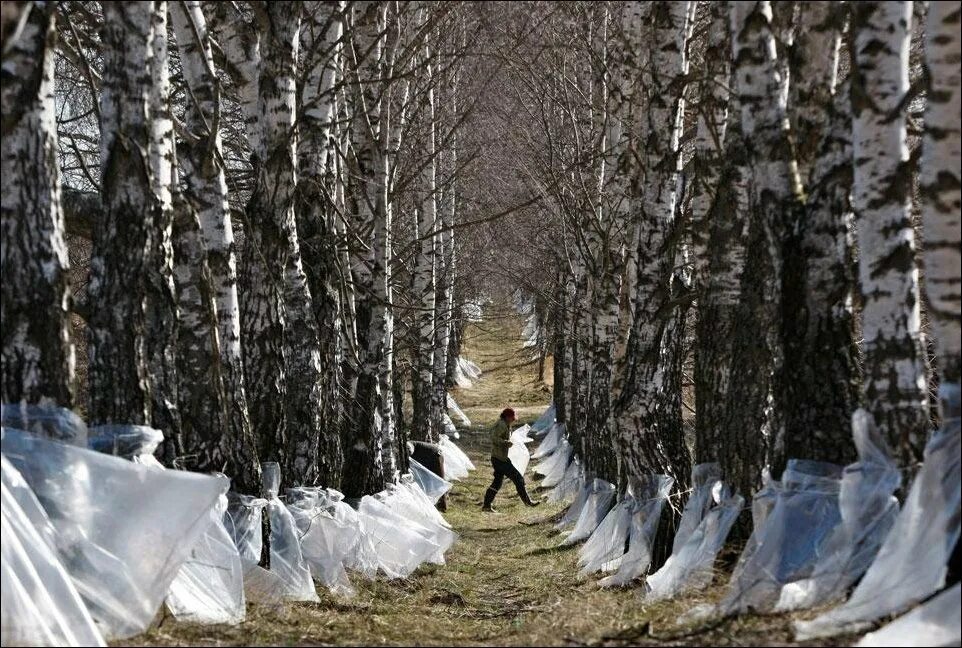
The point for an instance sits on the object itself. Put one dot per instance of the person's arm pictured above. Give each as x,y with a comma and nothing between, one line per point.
504,434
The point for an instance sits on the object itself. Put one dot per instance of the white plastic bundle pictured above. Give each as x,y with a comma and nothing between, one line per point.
122,530
456,463
690,566
209,588
650,496
911,563
400,545
410,503
554,467
518,452
326,542
601,496
937,622
574,511
868,508
545,421
457,411
605,548
432,485
39,605
572,481
550,442
787,546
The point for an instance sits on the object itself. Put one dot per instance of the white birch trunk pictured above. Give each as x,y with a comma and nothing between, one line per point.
939,186
37,356
895,377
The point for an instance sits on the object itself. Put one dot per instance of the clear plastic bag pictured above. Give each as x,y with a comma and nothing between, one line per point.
607,545
519,456
690,566
703,480
457,411
456,463
550,442
601,495
868,508
400,545
326,542
287,560
911,564
545,421
45,421
209,588
122,530
40,605
574,511
572,482
650,495
405,499
554,467
789,543
431,484
937,622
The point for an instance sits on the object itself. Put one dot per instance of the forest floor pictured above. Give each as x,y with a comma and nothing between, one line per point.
506,582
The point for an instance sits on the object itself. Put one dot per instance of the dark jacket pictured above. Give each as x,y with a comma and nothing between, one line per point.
500,440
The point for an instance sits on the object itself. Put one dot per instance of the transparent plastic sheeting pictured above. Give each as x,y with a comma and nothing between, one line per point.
46,421
431,484
457,411
572,481
554,467
545,421
400,545
450,428
416,510
690,566
605,548
937,622
456,463
911,563
703,479
518,453
465,373
287,559
39,605
601,495
550,442
326,541
650,496
787,544
571,515
122,530
209,588
868,508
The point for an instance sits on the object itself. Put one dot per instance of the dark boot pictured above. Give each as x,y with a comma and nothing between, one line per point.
528,501
488,500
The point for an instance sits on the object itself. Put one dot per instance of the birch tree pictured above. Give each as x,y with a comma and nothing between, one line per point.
895,378
37,351
123,236
217,427
939,187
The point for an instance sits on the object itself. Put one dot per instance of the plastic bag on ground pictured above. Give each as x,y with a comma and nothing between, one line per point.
209,588
287,560
545,421
457,411
326,542
45,421
570,484
550,442
868,508
607,545
401,545
554,467
690,566
911,563
937,622
601,496
456,463
431,484
408,504
703,479
574,511
362,555
788,545
650,495
39,605
123,530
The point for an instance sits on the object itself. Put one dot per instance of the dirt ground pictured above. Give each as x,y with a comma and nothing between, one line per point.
506,581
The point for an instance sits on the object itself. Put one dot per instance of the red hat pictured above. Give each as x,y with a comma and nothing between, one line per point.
508,413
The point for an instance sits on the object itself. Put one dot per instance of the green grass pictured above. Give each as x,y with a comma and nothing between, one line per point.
505,582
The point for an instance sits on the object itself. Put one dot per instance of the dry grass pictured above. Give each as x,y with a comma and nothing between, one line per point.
506,581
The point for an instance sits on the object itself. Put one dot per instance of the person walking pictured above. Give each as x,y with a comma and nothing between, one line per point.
500,443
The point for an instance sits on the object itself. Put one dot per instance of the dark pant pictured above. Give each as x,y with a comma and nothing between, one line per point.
504,469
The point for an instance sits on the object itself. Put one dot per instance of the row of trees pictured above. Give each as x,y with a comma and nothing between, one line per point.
733,195
235,222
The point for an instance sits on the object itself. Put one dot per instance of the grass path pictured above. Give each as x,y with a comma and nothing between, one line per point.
506,582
